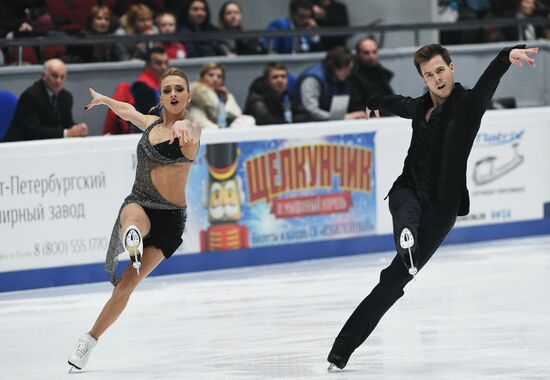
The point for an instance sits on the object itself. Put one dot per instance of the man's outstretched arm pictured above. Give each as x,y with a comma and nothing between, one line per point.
483,91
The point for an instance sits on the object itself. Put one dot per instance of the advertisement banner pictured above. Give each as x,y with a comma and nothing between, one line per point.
506,179
265,193
59,201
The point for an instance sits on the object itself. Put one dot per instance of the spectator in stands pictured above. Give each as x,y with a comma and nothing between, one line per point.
368,76
138,20
166,24
121,7
212,105
331,13
301,17
521,10
24,19
44,110
99,22
319,84
145,88
25,16
195,18
461,10
230,19
13,17
269,100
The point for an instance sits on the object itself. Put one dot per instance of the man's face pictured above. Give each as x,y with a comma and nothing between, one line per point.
158,64
277,80
368,52
438,76
302,18
55,75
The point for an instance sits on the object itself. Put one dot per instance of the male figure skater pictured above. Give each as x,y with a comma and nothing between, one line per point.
427,197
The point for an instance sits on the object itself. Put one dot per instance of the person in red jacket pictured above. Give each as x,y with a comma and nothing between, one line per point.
427,197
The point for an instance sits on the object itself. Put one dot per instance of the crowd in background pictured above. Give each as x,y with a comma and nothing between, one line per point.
32,18
338,87
521,10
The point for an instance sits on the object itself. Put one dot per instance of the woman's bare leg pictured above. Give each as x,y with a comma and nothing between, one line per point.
121,294
131,214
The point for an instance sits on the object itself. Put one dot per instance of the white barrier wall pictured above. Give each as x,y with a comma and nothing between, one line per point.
59,198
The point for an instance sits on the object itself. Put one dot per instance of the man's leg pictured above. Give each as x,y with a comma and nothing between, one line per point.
428,229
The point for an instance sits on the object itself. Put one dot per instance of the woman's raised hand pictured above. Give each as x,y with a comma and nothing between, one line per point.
96,99
186,131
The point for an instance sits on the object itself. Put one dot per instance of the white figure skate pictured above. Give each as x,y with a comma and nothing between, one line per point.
79,357
406,240
133,245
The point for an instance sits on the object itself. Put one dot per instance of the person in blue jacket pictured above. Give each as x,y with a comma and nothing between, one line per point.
301,17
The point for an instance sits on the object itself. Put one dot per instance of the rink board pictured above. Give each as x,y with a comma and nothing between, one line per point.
305,191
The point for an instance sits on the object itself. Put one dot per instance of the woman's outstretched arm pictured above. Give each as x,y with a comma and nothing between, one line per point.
124,110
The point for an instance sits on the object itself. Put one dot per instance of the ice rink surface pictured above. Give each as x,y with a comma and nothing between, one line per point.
476,311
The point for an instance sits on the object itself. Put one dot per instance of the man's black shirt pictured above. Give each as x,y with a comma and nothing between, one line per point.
459,119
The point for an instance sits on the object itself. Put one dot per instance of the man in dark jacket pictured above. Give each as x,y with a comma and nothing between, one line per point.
368,76
145,89
269,99
427,197
44,110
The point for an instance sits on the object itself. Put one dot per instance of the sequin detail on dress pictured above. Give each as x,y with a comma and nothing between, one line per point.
143,193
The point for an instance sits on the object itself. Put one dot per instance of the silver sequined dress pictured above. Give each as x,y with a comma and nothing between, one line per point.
143,193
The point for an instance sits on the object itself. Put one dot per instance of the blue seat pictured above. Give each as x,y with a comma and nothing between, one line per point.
8,101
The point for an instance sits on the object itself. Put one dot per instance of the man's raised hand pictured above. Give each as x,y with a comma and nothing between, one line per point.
518,55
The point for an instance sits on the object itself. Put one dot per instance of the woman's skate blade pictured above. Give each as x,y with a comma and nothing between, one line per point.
133,245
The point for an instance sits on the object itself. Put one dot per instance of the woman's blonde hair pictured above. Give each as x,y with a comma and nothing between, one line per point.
131,17
211,66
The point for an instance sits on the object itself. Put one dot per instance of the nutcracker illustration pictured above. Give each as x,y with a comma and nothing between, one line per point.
223,200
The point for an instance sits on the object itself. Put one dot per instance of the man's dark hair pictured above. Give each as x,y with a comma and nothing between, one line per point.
427,52
154,50
273,66
336,58
296,4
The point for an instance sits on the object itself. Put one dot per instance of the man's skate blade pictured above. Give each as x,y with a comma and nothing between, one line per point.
73,366
333,368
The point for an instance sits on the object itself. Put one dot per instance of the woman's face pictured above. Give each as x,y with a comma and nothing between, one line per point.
101,22
232,16
197,12
144,23
213,78
174,94
167,24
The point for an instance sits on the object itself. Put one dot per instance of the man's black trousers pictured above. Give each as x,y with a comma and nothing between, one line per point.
429,229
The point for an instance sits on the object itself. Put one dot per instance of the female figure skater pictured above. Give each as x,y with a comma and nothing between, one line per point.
152,218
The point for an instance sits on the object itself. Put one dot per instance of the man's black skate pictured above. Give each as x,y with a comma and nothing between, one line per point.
338,355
